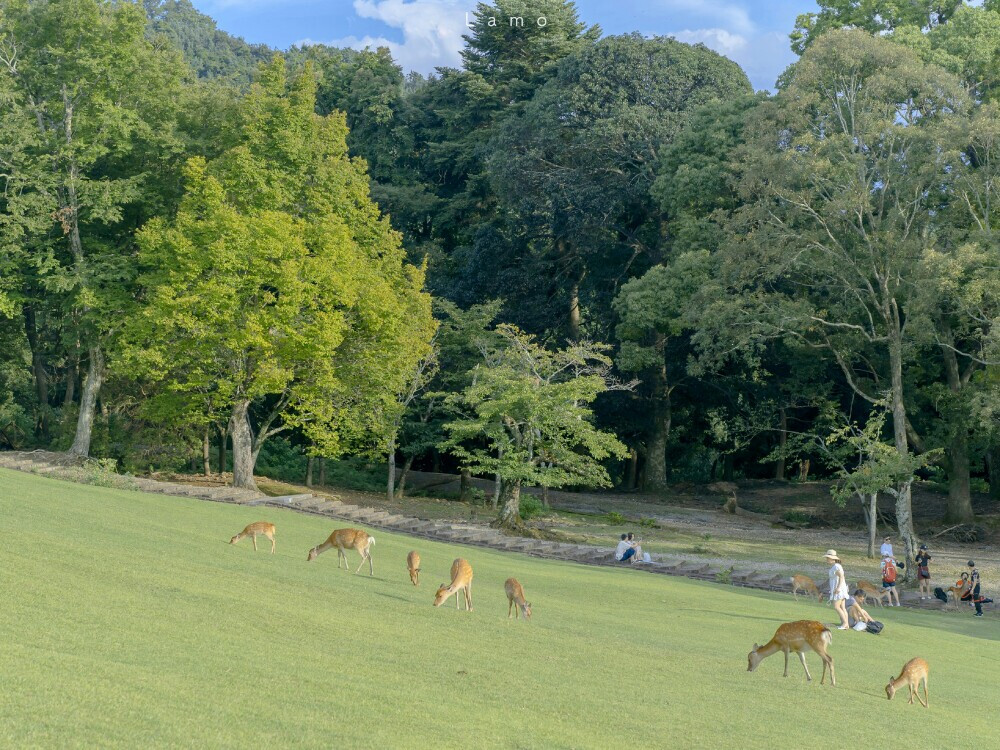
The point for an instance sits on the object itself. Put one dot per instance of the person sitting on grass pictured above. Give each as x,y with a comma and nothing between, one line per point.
973,594
625,551
889,578
856,613
636,546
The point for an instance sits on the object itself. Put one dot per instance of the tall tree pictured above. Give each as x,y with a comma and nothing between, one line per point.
95,93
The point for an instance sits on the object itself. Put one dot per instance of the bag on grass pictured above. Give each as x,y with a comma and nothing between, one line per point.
875,627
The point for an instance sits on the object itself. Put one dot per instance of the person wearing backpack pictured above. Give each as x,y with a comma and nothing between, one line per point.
889,578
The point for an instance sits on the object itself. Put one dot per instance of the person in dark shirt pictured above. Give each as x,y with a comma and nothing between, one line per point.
923,571
973,593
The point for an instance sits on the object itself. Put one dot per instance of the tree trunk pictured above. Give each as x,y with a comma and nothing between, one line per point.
904,505
223,438
574,312
656,454
401,485
72,373
206,452
38,370
779,467
993,471
869,504
510,513
390,484
959,491
804,470
631,473
497,490
466,486
243,448
309,471
88,403
322,471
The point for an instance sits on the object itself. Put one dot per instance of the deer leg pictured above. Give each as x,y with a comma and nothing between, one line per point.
340,554
254,542
362,563
802,658
510,605
271,537
926,699
910,687
457,607
468,597
786,662
828,662
371,566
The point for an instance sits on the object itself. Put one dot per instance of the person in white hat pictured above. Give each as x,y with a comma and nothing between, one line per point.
838,588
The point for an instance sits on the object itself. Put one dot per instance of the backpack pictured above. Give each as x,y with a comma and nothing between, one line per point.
875,627
940,594
889,573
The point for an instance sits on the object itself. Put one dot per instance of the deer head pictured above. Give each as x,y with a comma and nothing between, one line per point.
527,610
234,539
753,659
890,689
312,555
441,594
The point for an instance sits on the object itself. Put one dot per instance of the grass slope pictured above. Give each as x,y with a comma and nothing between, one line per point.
128,621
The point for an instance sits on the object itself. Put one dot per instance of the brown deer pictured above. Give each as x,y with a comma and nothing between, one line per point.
799,636
807,584
461,580
515,596
913,672
413,565
873,592
260,527
347,539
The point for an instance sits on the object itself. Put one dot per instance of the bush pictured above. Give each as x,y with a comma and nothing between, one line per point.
530,506
649,523
615,519
104,473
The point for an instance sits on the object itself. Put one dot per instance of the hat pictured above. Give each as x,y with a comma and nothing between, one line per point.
923,546
832,553
971,564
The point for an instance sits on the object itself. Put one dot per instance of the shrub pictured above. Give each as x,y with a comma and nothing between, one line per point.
649,523
104,473
615,519
530,506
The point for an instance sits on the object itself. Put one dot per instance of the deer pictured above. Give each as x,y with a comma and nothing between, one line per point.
799,636
461,580
413,565
807,584
515,595
263,528
873,592
342,539
913,672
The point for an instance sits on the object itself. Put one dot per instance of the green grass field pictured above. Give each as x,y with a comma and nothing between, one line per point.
128,621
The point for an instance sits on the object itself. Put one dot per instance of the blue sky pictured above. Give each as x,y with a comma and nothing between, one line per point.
426,33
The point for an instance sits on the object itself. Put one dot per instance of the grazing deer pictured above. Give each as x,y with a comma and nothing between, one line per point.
913,672
807,584
873,592
413,565
799,637
347,539
260,527
461,580
515,595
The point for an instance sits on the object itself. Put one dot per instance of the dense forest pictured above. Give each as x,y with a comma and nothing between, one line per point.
579,260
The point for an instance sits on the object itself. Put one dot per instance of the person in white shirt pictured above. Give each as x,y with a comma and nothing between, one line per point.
886,549
625,550
838,588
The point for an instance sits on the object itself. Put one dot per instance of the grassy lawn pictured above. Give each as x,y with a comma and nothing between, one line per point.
127,621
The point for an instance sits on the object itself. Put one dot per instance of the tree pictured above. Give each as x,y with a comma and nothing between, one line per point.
279,286
527,418
96,96
843,179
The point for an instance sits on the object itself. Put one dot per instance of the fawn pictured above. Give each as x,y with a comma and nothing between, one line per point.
413,564
799,637
913,672
461,580
873,592
260,527
515,595
347,539
807,584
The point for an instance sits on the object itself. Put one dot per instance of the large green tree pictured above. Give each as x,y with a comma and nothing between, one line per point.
280,286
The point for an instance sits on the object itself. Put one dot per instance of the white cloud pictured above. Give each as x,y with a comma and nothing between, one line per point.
432,31
718,12
722,41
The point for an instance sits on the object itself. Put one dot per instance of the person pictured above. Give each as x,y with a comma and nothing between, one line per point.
857,615
973,594
637,547
923,571
838,588
886,548
625,551
889,578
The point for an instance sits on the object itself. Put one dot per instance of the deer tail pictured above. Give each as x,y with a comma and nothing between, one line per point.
827,637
